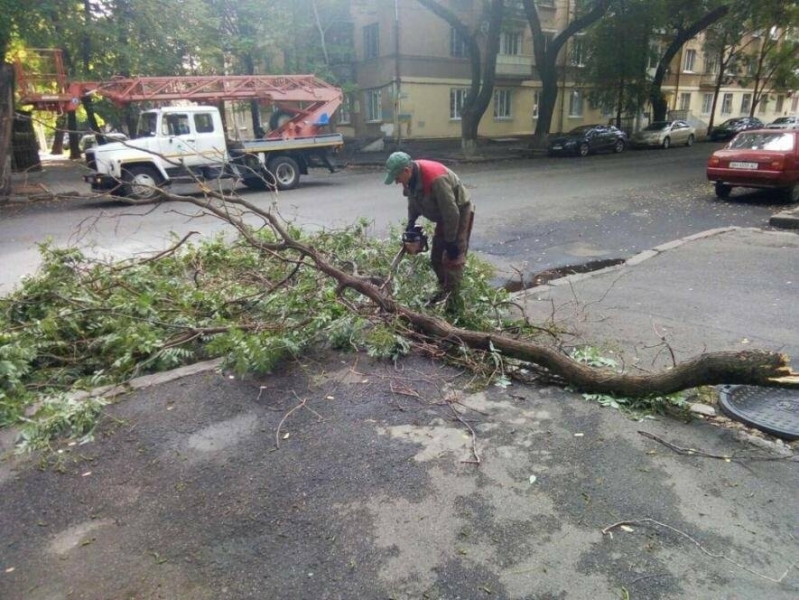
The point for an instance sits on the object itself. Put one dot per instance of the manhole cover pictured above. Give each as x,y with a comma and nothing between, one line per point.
771,410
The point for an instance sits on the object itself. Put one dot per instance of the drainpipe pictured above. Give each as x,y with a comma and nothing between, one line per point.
564,66
397,78
677,82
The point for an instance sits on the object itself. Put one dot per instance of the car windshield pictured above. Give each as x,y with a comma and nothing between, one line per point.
782,120
581,129
763,141
657,126
730,122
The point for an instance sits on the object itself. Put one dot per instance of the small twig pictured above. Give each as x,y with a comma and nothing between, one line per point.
607,531
288,414
476,460
695,452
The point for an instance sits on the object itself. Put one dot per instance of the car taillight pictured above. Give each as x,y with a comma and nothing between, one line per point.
778,165
714,162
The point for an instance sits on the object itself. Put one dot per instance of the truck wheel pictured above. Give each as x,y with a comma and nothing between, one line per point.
285,171
142,184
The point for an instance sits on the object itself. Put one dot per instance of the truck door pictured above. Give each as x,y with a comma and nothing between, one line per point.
209,139
178,143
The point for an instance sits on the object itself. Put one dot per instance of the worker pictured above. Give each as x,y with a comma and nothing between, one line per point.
436,193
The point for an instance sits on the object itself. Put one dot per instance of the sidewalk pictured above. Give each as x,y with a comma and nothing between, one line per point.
724,289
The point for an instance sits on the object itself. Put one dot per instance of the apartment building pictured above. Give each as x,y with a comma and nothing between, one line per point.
412,72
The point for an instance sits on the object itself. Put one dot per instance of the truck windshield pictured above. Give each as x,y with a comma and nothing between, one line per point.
148,123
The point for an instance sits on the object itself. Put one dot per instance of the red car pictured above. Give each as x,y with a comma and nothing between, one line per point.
760,158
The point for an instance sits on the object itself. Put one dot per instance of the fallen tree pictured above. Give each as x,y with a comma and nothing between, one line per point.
753,367
277,292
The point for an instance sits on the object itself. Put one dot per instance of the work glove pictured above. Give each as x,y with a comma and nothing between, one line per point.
452,250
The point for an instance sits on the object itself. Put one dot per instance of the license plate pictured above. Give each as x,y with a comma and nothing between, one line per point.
557,147
743,165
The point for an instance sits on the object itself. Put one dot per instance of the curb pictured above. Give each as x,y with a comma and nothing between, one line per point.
787,219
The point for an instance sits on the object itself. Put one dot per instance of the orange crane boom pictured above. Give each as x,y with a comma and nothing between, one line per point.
310,101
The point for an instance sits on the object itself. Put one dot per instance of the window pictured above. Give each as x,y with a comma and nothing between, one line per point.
688,61
578,52
457,44
685,101
654,56
502,104
576,104
726,104
510,43
711,64
536,102
457,97
371,41
763,104
345,111
707,103
795,103
546,3
746,103
548,37
374,105
175,124
780,102
204,123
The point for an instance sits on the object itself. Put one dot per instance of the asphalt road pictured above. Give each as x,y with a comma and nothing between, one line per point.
532,215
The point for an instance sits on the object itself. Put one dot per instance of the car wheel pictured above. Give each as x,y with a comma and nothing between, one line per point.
723,190
666,143
583,149
285,171
791,194
618,146
690,141
142,184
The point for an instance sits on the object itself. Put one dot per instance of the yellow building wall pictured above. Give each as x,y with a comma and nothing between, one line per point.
425,112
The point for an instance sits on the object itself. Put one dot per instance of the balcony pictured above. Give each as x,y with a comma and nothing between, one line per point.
514,65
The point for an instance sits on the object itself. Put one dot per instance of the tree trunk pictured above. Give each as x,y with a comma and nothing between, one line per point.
656,96
58,140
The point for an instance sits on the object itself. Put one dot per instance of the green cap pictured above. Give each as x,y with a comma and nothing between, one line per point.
396,162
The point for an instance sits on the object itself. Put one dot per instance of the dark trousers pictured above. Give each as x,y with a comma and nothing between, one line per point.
450,273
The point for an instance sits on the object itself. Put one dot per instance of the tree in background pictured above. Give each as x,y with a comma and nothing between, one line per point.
617,58
587,12
726,43
679,21
773,64
483,71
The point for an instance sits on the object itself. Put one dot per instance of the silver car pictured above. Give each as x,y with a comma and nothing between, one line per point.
784,123
663,134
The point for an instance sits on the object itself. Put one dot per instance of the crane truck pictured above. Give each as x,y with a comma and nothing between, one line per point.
189,143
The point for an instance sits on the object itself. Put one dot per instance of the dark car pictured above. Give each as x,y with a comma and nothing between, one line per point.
585,139
764,158
730,127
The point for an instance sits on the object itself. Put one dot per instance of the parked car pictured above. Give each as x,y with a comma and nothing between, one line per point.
784,123
765,158
585,139
730,127
662,134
